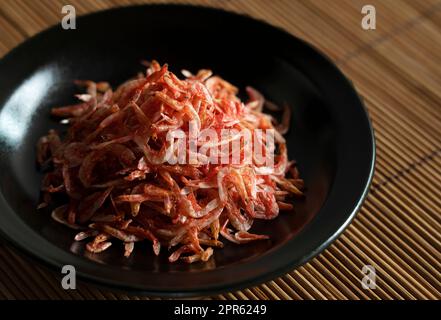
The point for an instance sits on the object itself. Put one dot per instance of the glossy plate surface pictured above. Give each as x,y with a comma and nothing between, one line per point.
331,138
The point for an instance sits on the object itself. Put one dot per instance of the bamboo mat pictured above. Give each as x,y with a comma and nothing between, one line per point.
397,71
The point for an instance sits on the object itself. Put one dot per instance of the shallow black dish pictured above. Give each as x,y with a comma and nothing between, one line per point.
331,138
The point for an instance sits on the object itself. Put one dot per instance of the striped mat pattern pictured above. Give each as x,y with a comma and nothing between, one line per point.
395,68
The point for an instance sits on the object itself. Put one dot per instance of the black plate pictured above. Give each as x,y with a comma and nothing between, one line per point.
331,137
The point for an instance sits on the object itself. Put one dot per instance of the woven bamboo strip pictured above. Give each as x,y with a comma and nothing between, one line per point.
400,164
415,217
308,285
299,20
351,272
240,295
287,289
12,282
407,143
365,72
413,197
397,250
402,273
5,293
385,287
336,276
29,277
392,282
18,278
415,239
419,191
390,255
319,273
319,282
10,36
40,283
400,241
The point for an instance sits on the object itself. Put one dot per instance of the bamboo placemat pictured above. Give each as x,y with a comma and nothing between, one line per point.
396,69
